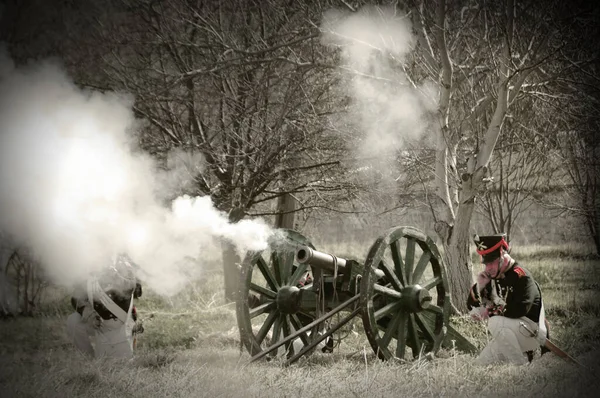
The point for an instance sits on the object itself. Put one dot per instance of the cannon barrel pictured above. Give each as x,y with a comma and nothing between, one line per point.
315,258
319,259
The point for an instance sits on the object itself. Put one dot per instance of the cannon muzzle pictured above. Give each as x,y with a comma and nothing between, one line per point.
320,260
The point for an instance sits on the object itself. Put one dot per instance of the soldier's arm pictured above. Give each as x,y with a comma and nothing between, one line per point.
137,292
473,299
520,300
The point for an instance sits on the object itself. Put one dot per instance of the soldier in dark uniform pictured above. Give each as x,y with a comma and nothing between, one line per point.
508,297
104,321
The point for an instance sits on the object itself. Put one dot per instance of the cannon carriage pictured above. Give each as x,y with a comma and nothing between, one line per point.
292,293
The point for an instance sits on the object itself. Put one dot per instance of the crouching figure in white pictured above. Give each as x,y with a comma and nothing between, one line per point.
510,300
104,318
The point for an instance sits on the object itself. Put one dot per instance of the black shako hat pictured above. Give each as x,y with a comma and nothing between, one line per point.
489,246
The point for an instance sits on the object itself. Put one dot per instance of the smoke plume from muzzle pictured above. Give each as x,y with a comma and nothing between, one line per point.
75,190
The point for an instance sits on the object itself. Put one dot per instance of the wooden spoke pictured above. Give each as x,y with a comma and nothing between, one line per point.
277,268
392,328
287,330
390,275
401,336
413,336
398,263
277,326
409,260
267,274
283,263
262,333
262,290
424,327
297,326
287,264
420,268
388,292
261,309
300,270
435,309
387,310
432,282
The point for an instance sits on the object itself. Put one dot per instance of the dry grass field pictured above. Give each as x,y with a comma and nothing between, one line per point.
191,349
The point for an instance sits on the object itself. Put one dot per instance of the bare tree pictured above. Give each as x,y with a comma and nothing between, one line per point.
23,276
483,55
570,90
521,169
579,149
241,83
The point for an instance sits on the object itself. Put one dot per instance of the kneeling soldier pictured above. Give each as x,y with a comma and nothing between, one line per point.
511,300
103,324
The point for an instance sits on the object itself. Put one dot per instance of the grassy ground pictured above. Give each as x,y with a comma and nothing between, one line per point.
191,349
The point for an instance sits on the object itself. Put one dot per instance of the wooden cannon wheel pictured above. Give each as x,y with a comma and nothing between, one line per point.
266,306
410,304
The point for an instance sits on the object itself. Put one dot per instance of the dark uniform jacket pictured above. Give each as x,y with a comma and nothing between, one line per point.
121,298
520,291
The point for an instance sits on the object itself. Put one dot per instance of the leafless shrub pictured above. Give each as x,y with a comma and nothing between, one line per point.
25,280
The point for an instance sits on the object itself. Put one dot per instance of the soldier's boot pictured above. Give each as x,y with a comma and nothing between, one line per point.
328,345
530,355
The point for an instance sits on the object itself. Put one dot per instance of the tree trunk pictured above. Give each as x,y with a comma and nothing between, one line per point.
595,224
286,205
457,253
230,270
457,239
231,260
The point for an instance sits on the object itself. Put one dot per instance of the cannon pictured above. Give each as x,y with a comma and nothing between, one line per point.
289,292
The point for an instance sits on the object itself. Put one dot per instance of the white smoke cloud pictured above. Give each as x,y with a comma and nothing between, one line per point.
180,171
75,190
374,43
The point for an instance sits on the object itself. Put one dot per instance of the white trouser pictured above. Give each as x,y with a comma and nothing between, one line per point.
80,333
511,338
112,338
